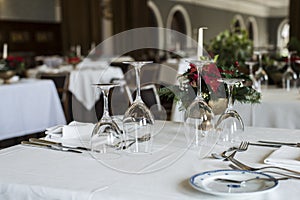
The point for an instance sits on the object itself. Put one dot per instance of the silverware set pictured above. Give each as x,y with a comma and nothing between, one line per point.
41,143
236,164
48,146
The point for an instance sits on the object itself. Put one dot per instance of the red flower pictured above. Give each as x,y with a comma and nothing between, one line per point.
236,63
211,74
14,62
193,68
74,60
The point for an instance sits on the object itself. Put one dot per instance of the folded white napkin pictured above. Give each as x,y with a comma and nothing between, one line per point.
285,156
77,130
14,79
74,130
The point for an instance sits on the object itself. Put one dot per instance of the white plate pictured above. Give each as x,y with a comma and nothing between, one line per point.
206,182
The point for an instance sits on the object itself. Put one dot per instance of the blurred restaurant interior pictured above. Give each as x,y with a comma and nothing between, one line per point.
53,33
42,35
160,88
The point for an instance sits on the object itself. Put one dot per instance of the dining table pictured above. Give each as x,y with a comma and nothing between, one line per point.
82,76
29,106
278,108
84,94
40,173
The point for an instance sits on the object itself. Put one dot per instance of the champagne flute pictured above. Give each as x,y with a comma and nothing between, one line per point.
138,120
106,132
289,76
230,123
198,115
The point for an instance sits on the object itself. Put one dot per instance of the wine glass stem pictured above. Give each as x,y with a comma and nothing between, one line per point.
250,69
260,60
230,99
199,70
105,104
138,82
289,60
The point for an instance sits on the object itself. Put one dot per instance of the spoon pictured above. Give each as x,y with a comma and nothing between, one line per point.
221,156
243,182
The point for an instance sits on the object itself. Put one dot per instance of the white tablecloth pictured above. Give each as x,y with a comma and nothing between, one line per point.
278,109
33,173
29,106
81,83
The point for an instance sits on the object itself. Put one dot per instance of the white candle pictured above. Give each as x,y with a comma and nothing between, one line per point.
78,51
93,45
177,46
5,47
200,42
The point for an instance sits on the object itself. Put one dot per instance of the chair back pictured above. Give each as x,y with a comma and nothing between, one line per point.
61,81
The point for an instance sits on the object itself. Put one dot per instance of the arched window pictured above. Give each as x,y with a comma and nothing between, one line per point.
252,29
179,20
178,23
156,21
238,23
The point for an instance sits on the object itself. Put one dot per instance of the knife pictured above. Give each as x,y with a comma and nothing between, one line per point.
52,147
58,144
266,145
281,143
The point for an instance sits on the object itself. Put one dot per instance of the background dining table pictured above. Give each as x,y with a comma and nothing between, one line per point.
29,106
278,108
85,94
38,173
80,84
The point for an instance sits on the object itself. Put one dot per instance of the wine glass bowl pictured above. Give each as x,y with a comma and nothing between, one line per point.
138,120
106,132
230,123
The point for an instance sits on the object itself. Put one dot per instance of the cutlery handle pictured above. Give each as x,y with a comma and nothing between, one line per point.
282,143
52,147
58,144
36,140
266,145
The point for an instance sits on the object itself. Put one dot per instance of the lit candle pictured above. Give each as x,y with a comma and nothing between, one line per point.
5,47
200,42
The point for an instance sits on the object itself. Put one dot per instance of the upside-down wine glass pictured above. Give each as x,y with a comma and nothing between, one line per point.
289,76
106,133
251,75
198,116
261,75
230,123
138,120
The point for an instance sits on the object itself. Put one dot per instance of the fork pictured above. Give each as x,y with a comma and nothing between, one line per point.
282,175
243,147
246,167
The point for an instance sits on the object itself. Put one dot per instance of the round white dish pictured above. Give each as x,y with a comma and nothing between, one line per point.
208,182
